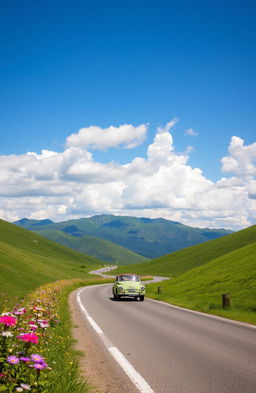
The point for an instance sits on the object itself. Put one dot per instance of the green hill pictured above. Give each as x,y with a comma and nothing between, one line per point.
179,262
202,273
150,238
28,260
102,249
201,288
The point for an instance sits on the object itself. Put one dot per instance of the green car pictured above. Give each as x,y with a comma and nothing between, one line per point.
128,285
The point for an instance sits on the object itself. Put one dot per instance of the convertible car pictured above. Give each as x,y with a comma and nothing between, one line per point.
128,285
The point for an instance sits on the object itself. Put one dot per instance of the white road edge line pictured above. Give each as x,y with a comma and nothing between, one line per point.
136,378
203,314
140,383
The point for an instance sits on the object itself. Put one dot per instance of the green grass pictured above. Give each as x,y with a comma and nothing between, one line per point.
202,273
102,249
65,376
201,288
28,260
55,343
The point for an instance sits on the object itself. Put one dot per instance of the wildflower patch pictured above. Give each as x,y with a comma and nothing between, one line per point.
25,332
36,347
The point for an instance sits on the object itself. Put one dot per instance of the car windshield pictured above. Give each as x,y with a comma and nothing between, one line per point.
128,277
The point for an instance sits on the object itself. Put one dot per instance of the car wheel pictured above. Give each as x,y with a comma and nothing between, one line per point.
141,298
117,296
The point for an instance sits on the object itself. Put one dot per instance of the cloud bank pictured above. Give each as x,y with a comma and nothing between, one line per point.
71,184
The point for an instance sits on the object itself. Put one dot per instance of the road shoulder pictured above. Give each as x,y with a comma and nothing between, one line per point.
96,365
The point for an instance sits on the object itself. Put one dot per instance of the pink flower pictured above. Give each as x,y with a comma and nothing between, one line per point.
29,338
40,366
25,386
8,321
37,358
20,311
25,359
13,360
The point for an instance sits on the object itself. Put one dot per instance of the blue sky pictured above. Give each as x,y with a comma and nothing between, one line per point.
68,65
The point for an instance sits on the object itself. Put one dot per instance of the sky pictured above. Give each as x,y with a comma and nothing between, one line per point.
141,108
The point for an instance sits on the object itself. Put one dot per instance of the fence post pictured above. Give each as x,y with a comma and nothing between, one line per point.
158,289
225,300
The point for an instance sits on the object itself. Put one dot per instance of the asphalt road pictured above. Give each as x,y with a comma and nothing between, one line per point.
175,350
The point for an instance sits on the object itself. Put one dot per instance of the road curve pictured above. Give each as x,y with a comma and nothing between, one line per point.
101,272
173,349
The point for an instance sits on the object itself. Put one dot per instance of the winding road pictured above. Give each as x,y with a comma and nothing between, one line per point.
167,349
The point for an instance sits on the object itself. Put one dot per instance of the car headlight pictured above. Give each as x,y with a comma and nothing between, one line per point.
142,288
120,287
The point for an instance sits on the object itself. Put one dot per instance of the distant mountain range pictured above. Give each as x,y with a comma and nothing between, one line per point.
120,239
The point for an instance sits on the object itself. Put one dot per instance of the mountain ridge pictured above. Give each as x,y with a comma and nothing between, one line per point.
150,238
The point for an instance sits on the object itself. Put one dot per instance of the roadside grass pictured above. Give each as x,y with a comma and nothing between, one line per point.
201,288
44,317
65,377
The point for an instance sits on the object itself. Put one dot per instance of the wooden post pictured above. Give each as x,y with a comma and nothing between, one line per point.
225,300
158,289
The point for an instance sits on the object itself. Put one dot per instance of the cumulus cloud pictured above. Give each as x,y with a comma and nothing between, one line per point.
191,132
71,184
241,159
98,138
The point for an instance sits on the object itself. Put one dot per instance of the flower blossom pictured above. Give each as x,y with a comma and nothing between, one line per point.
7,320
25,359
37,358
29,338
24,386
40,366
20,311
7,334
13,360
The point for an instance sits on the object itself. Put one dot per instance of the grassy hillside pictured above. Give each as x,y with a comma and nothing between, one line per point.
151,238
28,260
102,249
202,273
179,262
201,288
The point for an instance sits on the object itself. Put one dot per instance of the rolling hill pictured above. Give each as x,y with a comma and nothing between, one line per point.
179,262
102,249
28,260
150,238
202,273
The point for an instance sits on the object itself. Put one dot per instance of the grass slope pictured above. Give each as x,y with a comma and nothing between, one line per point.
102,249
201,288
179,262
28,260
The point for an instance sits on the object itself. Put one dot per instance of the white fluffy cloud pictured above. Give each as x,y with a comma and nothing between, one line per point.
241,160
72,184
98,138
